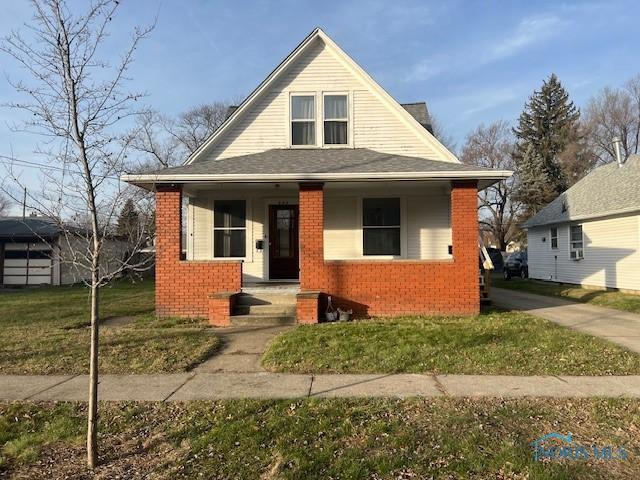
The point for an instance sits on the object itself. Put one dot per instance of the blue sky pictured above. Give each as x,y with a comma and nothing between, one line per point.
471,61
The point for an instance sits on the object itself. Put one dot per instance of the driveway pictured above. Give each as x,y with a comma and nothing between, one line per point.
616,326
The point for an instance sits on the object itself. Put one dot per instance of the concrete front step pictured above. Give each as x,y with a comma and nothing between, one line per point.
267,309
266,298
263,320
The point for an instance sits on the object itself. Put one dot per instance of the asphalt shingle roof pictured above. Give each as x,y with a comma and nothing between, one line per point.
418,110
16,227
317,160
607,190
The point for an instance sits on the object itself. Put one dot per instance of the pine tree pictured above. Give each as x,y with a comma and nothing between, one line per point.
128,221
546,128
535,188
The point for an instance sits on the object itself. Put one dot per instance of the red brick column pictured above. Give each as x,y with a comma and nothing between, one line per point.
183,287
168,243
312,269
221,308
464,230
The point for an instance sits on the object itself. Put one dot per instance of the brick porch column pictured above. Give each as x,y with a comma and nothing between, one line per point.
311,221
464,231
168,243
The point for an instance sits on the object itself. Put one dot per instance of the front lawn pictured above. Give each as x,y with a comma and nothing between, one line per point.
609,298
321,438
45,331
507,343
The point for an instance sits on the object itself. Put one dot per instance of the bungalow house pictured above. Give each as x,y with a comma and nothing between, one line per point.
318,185
590,235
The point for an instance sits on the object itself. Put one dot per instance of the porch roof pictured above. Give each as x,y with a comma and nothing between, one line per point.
317,164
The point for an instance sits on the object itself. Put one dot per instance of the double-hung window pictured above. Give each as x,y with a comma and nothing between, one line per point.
381,226
229,228
303,120
553,235
576,242
336,120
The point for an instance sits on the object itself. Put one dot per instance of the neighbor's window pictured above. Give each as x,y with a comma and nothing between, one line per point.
336,119
229,228
553,235
576,246
381,226
303,120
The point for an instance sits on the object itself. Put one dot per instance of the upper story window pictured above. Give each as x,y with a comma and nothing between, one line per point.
336,120
229,228
303,120
381,226
553,235
576,242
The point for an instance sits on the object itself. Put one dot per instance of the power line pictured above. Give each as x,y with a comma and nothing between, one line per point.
28,164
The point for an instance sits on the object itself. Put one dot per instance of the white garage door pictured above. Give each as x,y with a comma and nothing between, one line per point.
27,264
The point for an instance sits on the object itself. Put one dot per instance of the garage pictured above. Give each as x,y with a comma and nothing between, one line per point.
27,263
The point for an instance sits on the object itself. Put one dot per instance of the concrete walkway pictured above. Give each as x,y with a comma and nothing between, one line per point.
616,326
208,386
242,349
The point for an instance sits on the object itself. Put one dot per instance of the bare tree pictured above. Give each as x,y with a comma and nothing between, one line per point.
614,112
5,204
161,141
442,136
492,146
76,100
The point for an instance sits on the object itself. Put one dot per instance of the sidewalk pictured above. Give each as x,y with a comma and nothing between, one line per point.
615,326
214,386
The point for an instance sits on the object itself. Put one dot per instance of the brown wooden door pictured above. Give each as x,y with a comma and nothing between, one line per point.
283,241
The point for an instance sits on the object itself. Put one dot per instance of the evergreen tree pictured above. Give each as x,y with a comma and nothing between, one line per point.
547,126
535,188
128,221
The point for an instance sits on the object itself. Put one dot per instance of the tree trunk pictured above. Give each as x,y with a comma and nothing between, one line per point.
92,423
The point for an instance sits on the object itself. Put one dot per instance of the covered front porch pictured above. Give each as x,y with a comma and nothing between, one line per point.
378,248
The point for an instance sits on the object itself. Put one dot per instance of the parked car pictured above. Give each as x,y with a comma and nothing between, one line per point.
496,258
516,266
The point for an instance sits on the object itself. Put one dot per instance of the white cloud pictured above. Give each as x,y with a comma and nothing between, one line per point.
529,31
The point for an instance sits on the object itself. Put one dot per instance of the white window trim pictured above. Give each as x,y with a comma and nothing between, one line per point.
348,119
403,228
248,236
551,237
315,119
571,249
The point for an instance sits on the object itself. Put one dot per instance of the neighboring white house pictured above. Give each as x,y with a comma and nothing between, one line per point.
590,235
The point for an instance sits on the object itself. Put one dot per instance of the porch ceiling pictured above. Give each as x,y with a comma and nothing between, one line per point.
314,164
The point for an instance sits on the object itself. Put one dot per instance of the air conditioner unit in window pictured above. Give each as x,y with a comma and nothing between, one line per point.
577,254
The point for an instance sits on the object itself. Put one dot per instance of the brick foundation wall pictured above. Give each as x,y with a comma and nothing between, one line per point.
183,287
373,287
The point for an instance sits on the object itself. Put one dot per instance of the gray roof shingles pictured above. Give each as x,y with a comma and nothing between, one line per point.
30,227
317,161
607,190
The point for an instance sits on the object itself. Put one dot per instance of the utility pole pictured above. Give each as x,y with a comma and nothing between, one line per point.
24,204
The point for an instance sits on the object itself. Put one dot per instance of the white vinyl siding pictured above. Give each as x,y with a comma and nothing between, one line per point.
611,254
372,123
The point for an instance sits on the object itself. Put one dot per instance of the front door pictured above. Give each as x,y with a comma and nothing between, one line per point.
283,241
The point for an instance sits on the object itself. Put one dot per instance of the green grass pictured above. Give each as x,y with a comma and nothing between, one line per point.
495,342
603,298
45,331
319,438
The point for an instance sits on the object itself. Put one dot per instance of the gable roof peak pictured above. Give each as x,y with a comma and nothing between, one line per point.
420,129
